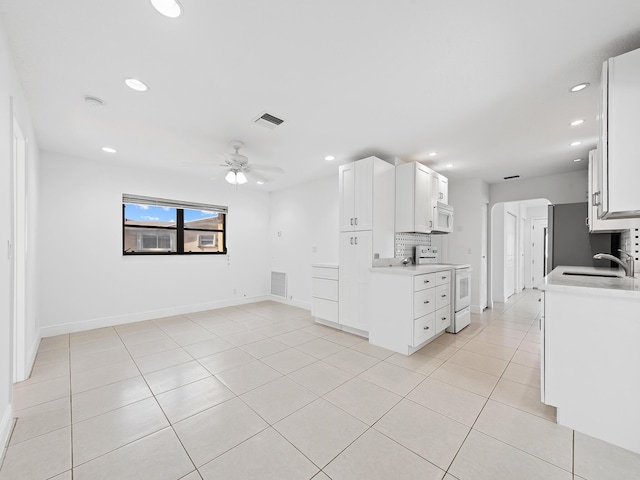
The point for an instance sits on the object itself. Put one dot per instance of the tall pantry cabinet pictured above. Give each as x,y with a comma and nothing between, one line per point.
366,212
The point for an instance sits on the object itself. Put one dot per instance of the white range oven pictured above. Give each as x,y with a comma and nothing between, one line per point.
461,298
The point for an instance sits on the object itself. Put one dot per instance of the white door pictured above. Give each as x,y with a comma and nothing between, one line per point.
538,250
509,255
19,247
346,201
483,260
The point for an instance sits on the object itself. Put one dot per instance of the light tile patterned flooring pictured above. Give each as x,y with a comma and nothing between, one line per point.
261,391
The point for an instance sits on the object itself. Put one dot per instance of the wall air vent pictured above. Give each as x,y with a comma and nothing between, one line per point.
511,177
279,284
269,121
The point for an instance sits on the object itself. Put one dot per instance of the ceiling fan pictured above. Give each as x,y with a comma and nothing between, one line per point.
239,170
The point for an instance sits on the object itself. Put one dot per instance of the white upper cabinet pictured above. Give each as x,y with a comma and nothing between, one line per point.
356,195
597,224
618,194
413,198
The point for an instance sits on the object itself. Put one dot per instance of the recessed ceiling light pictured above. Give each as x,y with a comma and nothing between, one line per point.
433,154
260,182
577,122
109,150
580,86
136,84
449,165
578,160
328,158
575,144
168,8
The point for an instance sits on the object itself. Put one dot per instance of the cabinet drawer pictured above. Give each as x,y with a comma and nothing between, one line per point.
423,329
324,272
442,296
424,302
443,278
323,288
443,318
426,280
325,309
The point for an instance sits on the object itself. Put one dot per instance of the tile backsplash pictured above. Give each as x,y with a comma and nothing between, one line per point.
630,242
406,242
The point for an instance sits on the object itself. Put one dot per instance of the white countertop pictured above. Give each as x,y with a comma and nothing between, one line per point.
411,269
558,281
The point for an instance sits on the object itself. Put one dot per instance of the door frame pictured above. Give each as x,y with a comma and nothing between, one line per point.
18,251
542,222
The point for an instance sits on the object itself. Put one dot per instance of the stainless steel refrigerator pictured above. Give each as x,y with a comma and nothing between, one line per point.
570,242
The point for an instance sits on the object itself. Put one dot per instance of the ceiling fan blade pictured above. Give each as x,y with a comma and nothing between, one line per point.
266,168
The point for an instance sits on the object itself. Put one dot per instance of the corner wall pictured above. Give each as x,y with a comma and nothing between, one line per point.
303,230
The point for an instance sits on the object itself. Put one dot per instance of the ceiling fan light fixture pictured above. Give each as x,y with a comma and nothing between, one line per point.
231,177
168,8
241,178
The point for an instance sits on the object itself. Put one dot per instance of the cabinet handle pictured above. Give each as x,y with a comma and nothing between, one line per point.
426,301
356,220
430,223
426,328
351,240
356,240
443,296
586,221
594,202
444,278
426,281
351,221
444,318
441,195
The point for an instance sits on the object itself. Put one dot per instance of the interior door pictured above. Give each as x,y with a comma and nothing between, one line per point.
523,228
483,259
509,254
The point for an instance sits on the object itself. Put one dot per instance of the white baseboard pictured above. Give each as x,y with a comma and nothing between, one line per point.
6,423
295,303
476,309
148,315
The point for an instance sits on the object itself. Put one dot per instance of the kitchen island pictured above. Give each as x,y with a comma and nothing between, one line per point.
590,369
410,306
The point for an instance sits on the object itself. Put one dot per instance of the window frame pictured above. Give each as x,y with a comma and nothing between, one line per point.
179,228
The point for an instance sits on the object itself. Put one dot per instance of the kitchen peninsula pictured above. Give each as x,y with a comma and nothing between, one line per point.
590,324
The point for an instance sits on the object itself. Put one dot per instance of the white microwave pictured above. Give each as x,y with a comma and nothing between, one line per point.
442,218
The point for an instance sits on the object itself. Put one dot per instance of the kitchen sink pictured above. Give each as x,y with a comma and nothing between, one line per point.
601,275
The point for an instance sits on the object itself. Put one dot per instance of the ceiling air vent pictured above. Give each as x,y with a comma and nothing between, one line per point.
511,177
268,120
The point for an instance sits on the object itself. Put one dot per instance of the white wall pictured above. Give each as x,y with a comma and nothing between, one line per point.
303,230
12,104
86,282
463,245
561,188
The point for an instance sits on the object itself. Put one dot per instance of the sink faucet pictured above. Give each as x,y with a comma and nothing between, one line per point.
407,261
628,266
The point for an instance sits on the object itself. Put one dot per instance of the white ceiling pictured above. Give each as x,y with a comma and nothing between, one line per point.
484,84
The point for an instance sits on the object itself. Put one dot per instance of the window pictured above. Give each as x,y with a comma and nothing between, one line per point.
160,226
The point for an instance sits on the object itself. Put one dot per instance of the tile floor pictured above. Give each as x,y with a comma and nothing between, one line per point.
261,391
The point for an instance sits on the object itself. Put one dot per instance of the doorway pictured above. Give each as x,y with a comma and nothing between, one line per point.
509,254
18,251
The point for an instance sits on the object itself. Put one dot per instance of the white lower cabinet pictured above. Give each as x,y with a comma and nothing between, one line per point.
324,291
356,257
408,309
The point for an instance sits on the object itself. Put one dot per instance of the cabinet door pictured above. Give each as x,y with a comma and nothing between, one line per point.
601,177
347,278
346,202
623,166
355,260
363,209
423,210
444,189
